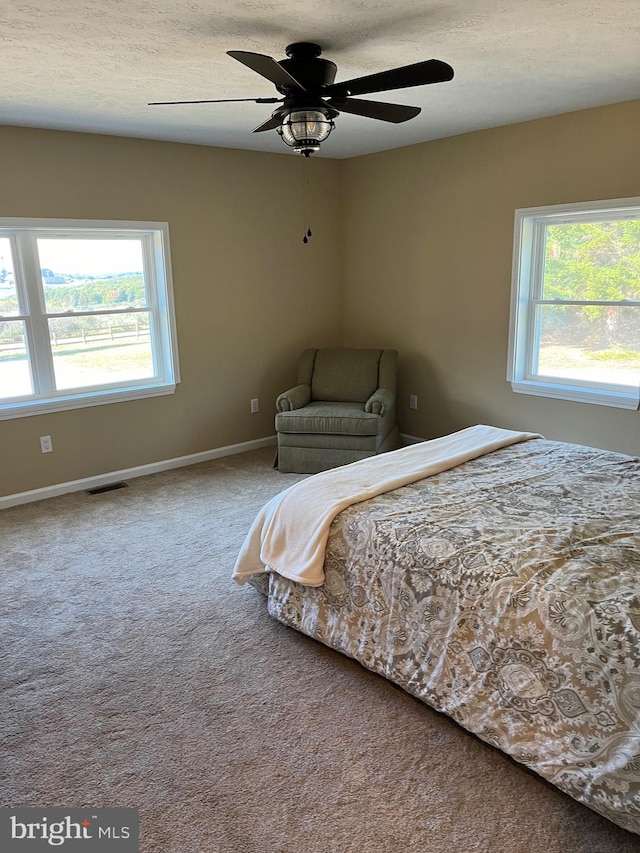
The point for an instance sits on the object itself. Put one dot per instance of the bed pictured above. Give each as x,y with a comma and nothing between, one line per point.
502,588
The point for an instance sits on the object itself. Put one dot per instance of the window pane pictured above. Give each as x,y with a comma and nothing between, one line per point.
8,295
15,376
100,350
591,343
592,260
91,275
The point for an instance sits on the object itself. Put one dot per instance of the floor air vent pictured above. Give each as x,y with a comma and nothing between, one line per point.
108,488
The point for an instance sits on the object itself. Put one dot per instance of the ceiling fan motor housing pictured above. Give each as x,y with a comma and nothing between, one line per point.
306,66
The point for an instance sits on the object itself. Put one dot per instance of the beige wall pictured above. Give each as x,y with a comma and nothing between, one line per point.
411,248
244,308
428,237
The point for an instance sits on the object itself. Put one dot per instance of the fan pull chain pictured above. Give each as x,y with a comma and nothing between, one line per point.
308,232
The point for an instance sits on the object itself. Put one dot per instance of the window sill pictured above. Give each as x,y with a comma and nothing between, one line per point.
616,399
82,400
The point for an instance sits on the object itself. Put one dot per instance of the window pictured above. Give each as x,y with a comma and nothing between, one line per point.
86,314
575,304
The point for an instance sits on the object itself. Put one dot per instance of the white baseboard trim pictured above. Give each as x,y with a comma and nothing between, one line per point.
130,473
410,439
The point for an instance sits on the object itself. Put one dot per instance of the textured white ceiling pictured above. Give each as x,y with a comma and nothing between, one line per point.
93,65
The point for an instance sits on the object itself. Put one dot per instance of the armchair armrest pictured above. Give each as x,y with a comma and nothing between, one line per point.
380,401
294,398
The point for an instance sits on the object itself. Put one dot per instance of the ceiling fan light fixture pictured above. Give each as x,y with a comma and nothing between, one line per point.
304,130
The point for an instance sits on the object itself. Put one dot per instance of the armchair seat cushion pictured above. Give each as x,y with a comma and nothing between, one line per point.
325,418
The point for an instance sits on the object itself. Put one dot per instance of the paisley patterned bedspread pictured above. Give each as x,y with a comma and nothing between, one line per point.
506,594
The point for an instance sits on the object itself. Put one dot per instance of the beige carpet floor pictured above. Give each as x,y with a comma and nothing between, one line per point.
135,673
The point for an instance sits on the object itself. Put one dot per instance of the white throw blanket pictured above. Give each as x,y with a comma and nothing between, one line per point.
289,535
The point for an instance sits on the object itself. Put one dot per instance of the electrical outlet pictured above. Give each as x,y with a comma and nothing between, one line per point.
255,405
413,401
46,446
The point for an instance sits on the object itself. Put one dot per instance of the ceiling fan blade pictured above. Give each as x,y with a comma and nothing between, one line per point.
396,113
267,66
219,101
419,74
269,124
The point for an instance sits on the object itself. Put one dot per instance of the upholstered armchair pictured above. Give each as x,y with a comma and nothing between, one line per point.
343,408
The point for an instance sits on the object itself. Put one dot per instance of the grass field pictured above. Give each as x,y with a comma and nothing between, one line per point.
99,361
613,365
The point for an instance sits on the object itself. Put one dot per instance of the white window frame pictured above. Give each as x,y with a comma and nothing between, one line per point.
526,294
154,237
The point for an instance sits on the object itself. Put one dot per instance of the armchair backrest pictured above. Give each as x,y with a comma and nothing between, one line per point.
344,374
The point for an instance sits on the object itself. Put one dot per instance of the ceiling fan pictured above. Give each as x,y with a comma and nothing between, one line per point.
311,100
